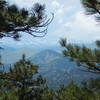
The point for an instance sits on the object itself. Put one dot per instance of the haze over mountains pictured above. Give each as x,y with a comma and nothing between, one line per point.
12,55
56,68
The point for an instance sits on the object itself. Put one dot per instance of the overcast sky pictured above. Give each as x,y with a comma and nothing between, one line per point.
69,22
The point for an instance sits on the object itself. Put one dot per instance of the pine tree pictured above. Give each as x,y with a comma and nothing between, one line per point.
92,84
85,57
92,7
75,92
88,59
20,78
69,92
14,20
19,83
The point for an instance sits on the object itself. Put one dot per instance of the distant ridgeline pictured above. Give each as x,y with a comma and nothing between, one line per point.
56,68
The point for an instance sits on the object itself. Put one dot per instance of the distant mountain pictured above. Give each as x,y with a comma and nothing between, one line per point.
44,57
57,76
6,48
10,56
58,69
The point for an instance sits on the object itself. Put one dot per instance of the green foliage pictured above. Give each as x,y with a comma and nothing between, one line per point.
93,84
48,94
92,7
74,92
20,78
98,43
14,20
19,84
8,95
84,56
89,59
70,92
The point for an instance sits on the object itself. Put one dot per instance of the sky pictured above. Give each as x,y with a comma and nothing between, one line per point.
69,22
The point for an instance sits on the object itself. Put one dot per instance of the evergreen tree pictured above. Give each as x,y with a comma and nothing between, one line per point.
88,59
73,92
1,57
92,7
69,92
14,20
85,57
92,84
19,82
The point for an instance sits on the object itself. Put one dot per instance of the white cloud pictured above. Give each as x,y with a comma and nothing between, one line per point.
26,3
55,3
83,28
69,21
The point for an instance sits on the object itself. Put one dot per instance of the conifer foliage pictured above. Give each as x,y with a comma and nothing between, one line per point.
19,80
85,57
73,92
14,20
92,7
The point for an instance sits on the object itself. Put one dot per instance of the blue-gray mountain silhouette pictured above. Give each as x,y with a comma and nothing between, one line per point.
57,69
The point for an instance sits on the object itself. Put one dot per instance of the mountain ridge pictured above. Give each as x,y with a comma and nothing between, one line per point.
57,69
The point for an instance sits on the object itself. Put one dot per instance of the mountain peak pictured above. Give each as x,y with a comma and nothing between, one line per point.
45,56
